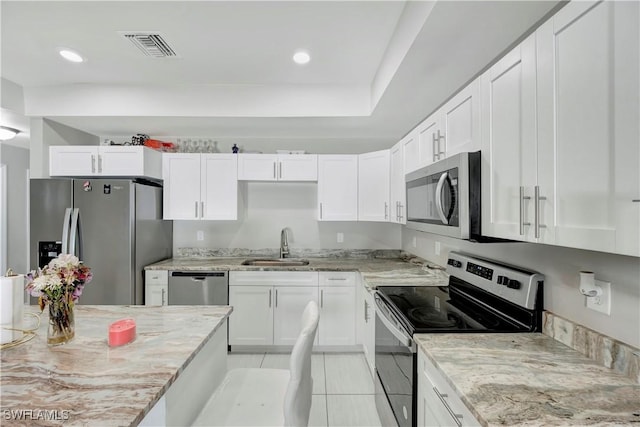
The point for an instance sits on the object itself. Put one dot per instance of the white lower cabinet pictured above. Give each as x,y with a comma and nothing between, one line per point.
438,404
337,315
268,306
366,323
156,287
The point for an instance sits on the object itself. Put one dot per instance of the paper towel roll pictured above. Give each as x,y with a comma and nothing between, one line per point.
11,307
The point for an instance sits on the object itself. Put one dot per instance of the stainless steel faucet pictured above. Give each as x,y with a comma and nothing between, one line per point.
284,243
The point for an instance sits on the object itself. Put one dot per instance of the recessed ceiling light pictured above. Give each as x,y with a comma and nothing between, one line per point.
70,55
7,133
301,57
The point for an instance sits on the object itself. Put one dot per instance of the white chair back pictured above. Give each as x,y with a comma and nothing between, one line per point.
297,400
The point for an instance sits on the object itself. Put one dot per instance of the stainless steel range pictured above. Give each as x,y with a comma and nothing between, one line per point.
481,296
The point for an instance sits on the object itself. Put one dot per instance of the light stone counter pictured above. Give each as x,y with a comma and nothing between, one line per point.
531,379
85,382
402,270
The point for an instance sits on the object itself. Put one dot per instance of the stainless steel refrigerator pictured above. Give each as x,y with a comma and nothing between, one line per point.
114,226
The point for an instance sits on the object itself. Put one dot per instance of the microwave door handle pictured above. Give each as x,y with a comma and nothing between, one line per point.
65,230
439,189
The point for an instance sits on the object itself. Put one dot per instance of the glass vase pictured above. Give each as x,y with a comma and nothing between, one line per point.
61,323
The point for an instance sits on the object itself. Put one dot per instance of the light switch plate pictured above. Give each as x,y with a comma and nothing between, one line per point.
437,249
340,237
601,303
200,235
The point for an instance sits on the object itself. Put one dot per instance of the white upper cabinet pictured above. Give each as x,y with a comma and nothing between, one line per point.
278,167
411,151
509,161
397,184
588,126
200,186
111,161
338,187
428,140
373,186
460,123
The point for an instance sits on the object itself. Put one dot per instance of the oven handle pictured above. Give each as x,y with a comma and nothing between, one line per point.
402,336
439,188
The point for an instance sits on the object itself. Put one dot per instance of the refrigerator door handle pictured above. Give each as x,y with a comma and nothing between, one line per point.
65,230
75,232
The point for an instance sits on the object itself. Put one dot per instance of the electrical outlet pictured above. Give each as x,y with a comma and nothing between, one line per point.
601,303
200,235
340,237
437,248
414,242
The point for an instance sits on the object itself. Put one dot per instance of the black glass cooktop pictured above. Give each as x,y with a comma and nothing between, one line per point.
444,309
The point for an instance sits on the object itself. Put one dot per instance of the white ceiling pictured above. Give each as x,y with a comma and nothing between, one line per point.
377,68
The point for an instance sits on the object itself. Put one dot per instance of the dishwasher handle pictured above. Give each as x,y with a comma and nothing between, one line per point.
198,274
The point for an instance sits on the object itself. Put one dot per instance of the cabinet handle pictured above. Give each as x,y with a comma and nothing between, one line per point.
401,211
635,201
93,164
321,297
456,417
433,146
269,298
99,163
537,196
196,209
201,209
439,138
320,210
366,312
522,199
336,278
276,297
274,170
163,296
280,170
386,208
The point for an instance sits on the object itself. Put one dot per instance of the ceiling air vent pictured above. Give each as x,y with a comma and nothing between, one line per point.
152,44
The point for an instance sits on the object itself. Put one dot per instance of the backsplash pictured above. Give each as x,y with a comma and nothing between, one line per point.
601,348
293,253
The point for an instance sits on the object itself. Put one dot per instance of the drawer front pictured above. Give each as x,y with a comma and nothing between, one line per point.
157,277
337,278
271,278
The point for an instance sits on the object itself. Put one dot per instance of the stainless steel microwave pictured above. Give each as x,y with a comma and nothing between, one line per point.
444,197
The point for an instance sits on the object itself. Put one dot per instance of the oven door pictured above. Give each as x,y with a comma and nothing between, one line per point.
396,365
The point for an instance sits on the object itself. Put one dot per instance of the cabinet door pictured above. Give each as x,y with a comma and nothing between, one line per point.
587,73
369,336
411,152
181,192
121,161
73,160
257,167
429,134
337,317
338,187
397,185
290,302
155,294
251,322
297,167
219,186
508,152
373,186
460,122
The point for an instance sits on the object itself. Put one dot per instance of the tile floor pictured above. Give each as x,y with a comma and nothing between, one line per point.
343,392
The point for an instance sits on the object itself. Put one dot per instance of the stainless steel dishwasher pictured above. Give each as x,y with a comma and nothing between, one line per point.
199,288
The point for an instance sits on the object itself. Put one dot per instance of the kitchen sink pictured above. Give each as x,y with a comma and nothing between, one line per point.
275,262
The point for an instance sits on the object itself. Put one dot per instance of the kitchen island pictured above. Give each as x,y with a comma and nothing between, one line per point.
163,377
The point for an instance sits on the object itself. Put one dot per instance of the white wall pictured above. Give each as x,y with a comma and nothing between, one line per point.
16,163
560,267
266,208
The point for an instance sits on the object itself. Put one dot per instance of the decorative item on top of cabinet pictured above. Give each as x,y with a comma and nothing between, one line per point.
200,186
105,161
338,187
373,186
277,167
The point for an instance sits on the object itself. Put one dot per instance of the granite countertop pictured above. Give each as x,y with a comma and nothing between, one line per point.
97,384
398,271
531,379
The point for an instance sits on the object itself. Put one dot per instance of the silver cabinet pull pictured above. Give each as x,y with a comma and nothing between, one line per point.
321,298
276,297
196,209
99,163
163,296
366,312
336,278
433,146
274,170
269,298
635,201
280,170
401,211
522,199
456,417
201,209
320,210
386,208
439,138
93,164
537,197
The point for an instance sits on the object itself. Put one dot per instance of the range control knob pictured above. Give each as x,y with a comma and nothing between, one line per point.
454,263
500,280
513,284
